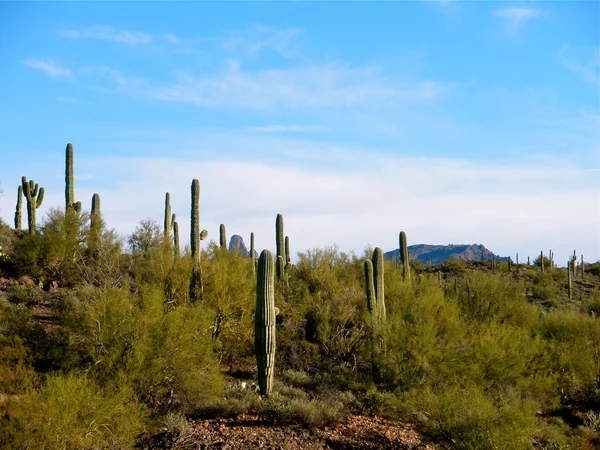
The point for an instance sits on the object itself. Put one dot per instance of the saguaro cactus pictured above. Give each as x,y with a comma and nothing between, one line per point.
222,236
542,260
370,287
69,181
570,278
288,258
35,196
378,281
169,218
18,212
509,264
582,268
95,223
279,241
404,256
196,287
176,239
264,322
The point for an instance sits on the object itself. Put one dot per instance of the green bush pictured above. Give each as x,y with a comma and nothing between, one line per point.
23,294
71,411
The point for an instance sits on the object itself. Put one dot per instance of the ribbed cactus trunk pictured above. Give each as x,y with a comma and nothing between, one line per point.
19,210
582,268
222,236
95,224
169,219
176,249
542,260
34,196
517,261
528,261
404,256
69,181
264,322
574,263
570,278
379,284
279,242
509,264
288,257
370,287
196,287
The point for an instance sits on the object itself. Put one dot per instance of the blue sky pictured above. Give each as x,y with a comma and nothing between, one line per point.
457,122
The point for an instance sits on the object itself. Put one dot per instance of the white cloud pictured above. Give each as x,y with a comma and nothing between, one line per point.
260,37
516,17
302,87
49,67
109,34
571,58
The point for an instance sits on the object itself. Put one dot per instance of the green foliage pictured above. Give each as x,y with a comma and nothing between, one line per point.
71,411
23,294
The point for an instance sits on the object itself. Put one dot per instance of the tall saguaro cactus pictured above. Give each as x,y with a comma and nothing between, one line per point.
69,181
570,278
196,287
378,281
222,236
18,212
279,242
404,256
35,196
370,287
95,223
288,257
264,322
169,218
176,239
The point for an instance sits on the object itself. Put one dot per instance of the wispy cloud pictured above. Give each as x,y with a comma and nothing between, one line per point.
293,88
571,58
259,37
109,34
515,18
49,67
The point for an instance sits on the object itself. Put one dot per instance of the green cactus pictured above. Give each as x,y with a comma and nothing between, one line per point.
279,242
528,261
574,264
222,236
252,252
264,323
288,258
509,264
196,286
18,212
542,260
582,268
175,238
169,219
370,287
95,224
379,284
404,256
35,196
517,261
570,278
69,183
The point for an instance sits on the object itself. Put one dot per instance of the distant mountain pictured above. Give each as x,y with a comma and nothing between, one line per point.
437,254
236,243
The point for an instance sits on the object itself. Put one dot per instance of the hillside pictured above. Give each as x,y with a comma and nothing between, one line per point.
437,254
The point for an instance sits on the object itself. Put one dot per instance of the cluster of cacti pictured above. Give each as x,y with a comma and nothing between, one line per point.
18,212
35,196
196,287
222,236
404,255
264,322
69,183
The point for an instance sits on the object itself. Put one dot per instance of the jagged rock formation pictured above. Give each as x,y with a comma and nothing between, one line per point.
236,243
437,254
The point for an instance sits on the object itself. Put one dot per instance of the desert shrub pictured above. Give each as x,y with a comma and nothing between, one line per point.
23,294
544,286
311,413
71,411
464,417
593,268
16,372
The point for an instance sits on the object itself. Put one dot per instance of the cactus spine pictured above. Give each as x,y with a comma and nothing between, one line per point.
69,183
18,212
222,236
378,282
279,242
404,256
196,287
35,196
264,324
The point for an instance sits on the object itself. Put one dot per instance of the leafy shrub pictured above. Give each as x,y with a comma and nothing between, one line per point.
26,295
71,411
16,372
